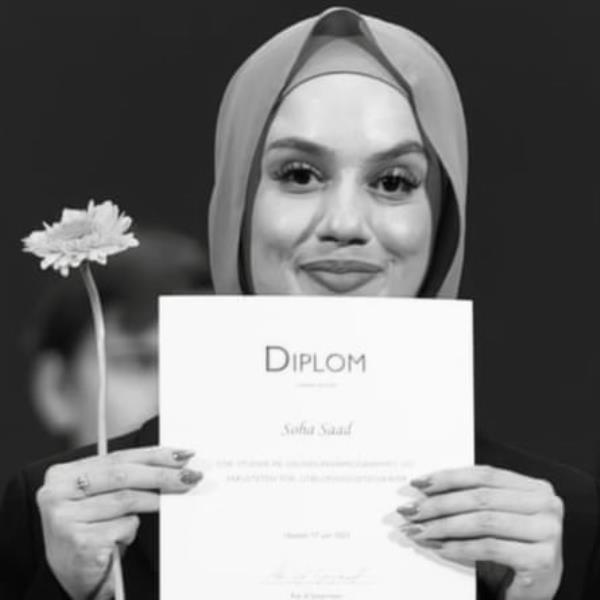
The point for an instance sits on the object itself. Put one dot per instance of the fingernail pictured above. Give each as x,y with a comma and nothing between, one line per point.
411,530
421,483
190,477
408,510
183,455
434,544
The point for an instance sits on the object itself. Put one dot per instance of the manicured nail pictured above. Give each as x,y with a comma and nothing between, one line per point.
183,455
412,530
421,483
190,477
408,510
433,544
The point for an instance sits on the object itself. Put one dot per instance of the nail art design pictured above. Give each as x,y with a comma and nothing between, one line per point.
190,477
183,455
408,510
421,483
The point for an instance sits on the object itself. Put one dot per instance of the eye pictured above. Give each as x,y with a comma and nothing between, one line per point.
298,176
396,181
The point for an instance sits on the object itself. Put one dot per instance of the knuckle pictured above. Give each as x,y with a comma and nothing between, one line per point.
118,476
554,529
54,472
546,486
557,505
43,496
482,497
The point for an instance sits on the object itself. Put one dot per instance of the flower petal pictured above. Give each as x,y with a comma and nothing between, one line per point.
91,234
71,214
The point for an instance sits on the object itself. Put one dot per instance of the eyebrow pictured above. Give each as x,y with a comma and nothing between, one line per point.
297,143
407,147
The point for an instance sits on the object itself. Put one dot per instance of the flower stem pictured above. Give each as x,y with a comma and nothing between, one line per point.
96,306
102,441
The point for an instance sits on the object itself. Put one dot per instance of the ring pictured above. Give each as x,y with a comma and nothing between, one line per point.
83,484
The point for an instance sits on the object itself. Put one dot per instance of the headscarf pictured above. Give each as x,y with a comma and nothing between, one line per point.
390,53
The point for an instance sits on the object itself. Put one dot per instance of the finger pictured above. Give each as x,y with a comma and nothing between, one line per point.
485,523
118,531
478,476
125,529
113,506
522,557
104,478
91,545
152,456
478,499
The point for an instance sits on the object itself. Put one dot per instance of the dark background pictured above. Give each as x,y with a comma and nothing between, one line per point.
118,100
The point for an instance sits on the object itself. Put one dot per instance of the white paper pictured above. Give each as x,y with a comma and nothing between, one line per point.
306,458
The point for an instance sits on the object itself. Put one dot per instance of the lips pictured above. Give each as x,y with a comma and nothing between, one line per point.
341,276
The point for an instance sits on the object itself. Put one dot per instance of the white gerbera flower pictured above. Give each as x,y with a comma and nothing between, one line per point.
80,235
79,238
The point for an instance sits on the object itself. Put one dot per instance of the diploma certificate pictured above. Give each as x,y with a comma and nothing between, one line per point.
309,416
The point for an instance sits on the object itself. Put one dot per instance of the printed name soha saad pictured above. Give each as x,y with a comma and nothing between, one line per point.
307,428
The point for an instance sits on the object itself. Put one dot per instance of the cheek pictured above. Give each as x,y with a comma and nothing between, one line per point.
279,224
405,231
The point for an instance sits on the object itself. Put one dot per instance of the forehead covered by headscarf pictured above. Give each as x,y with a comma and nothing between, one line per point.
339,40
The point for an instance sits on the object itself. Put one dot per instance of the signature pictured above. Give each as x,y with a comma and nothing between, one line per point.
286,574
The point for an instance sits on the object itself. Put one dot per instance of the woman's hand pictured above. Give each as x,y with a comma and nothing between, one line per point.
486,514
89,505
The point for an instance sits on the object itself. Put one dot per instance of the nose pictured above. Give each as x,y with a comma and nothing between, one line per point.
344,216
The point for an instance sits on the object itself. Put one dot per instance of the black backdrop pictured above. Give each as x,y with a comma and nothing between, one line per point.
118,100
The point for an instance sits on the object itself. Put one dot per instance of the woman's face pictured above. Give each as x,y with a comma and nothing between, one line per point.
341,207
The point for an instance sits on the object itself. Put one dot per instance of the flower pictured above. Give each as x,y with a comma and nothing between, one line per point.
80,235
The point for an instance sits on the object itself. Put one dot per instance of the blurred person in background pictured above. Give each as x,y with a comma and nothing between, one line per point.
61,343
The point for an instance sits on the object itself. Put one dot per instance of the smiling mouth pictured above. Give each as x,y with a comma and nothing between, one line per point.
341,276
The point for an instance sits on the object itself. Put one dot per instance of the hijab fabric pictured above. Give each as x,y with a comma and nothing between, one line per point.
338,40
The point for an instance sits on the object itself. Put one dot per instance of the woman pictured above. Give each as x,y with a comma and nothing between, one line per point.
340,169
